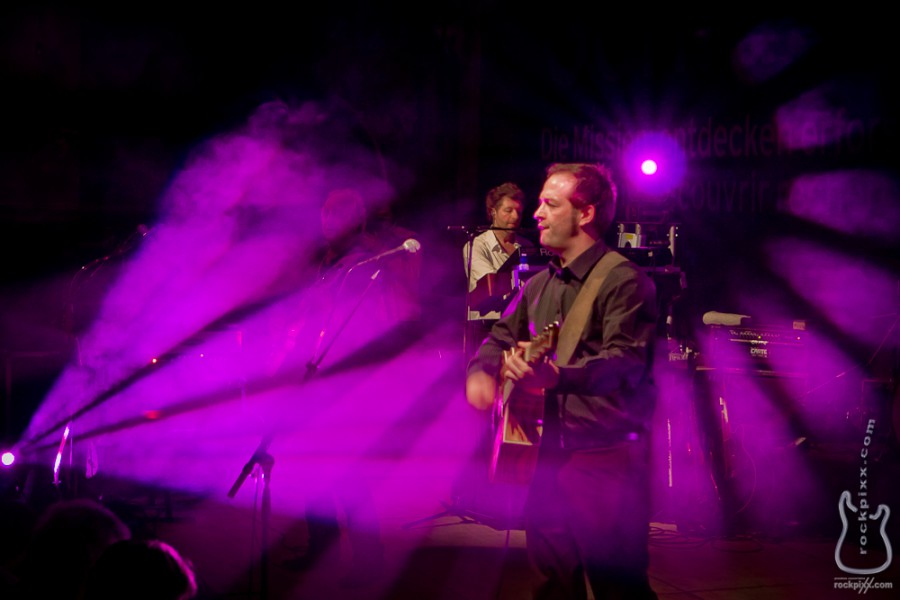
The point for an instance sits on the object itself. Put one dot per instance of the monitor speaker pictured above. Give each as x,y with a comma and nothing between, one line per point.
754,437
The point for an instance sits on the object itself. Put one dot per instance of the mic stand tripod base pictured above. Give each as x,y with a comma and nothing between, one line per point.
450,510
262,461
265,465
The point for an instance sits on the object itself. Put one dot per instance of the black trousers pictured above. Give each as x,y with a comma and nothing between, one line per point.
588,519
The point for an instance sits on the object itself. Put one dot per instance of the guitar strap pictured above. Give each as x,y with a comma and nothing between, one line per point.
573,326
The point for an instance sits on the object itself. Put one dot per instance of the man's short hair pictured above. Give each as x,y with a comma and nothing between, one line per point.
497,194
594,185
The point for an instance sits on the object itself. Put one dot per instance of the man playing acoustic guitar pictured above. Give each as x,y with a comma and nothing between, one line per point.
588,509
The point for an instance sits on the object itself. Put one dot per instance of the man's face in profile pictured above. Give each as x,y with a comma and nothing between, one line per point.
508,213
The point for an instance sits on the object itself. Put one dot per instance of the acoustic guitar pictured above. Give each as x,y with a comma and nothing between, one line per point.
518,418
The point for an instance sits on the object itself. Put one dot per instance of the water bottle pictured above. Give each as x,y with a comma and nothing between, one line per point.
520,274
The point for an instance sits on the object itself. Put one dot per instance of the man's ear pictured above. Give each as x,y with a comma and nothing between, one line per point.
588,214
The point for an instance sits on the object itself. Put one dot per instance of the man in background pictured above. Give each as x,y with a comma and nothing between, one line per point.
490,250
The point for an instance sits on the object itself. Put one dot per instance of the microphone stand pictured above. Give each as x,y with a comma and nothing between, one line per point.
70,327
57,464
472,231
467,334
265,461
261,456
455,507
313,365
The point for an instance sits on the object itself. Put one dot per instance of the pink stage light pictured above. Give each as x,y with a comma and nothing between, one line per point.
649,167
655,165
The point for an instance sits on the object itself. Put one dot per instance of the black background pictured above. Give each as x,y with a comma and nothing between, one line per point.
101,106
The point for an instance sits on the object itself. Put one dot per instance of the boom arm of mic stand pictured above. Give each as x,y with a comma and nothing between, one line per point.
313,364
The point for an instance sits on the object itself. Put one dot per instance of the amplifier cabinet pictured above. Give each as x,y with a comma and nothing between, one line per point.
772,350
751,389
752,430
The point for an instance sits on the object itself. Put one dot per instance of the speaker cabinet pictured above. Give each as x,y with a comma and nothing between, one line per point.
753,432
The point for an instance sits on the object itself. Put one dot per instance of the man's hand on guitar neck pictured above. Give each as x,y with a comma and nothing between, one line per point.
538,374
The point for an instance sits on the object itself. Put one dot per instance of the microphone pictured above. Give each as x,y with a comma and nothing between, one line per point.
412,246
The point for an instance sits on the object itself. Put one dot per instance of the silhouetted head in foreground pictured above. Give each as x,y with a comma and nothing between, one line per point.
141,570
67,539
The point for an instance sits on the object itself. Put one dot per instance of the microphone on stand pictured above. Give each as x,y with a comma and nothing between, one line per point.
412,246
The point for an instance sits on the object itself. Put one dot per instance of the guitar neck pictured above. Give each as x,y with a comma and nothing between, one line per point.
533,355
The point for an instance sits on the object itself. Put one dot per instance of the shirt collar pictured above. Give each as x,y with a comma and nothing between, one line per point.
496,245
581,267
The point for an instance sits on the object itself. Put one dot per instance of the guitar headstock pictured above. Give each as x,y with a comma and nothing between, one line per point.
544,343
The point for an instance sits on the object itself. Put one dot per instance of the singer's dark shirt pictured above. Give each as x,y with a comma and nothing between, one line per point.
607,391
